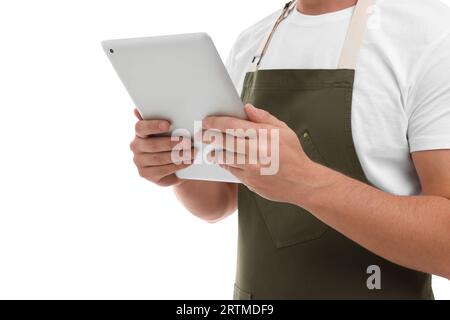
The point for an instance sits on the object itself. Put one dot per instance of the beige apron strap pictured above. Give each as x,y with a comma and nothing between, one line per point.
355,35
265,43
353,41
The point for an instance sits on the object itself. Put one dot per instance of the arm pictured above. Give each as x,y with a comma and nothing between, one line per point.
413,231
209,201
410,231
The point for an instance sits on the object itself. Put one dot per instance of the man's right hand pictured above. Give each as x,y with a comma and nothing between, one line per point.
153,154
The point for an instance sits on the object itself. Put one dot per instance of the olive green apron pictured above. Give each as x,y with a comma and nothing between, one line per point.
284,252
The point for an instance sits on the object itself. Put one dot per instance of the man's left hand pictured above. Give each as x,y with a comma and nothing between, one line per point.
270,160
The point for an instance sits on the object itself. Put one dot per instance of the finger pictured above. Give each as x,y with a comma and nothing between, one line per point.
255,148
231,159
137,114
170,180
227,142
262,116
238,161
249,147
159,144
156,174
238,173
163,158
145,128
230,124
211,135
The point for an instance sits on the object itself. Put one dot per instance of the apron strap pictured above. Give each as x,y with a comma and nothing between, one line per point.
352,44
288,8
355,35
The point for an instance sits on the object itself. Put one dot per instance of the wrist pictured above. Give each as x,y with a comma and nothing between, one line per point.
313,181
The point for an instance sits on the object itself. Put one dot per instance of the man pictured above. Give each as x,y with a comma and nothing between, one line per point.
360,205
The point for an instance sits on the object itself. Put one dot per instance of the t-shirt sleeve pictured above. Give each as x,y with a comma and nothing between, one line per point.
428,106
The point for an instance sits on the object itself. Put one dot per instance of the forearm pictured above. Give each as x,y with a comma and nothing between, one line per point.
410,231
209,201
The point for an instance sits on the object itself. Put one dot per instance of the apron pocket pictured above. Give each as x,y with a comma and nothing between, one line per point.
289,224
310,149
240,294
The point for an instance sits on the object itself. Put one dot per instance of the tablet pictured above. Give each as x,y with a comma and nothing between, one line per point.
180,78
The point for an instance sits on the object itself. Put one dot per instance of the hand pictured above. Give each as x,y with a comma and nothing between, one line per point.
284,184
153,154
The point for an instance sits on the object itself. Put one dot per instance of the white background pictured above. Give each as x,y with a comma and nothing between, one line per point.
76,220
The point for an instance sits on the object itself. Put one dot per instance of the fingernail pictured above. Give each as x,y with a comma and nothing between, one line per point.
258,112
163,125
252,108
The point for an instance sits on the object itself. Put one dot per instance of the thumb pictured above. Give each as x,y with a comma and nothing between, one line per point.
137,114
262,116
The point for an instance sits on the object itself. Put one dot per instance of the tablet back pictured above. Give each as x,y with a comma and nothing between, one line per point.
180,78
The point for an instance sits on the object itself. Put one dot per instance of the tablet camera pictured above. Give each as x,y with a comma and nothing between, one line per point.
111,50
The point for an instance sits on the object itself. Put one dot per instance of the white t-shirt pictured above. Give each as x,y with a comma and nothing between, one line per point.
401,99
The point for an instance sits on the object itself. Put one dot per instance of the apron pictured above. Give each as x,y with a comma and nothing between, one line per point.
284,252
